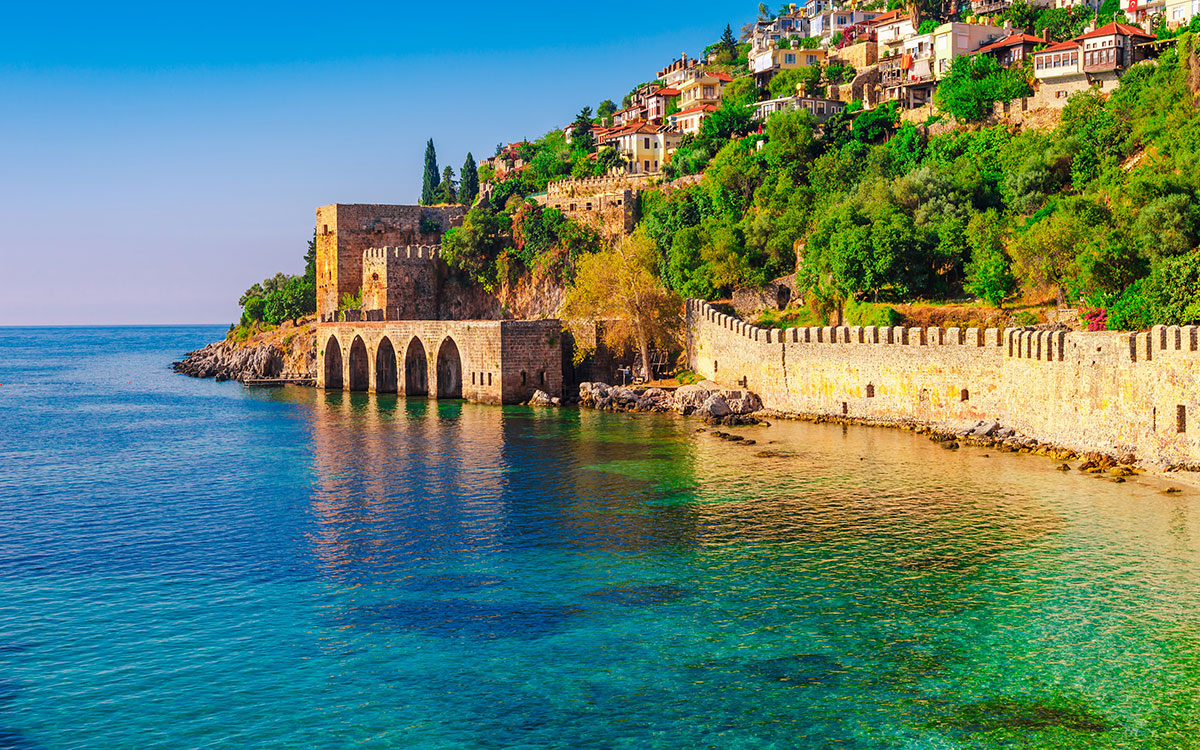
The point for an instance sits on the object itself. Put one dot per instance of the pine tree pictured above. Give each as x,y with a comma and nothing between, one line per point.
429,186
581,130
446,193
468,186
729,42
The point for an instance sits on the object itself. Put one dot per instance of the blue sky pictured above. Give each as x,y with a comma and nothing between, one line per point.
157,160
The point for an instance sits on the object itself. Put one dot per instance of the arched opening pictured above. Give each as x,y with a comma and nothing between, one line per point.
385,367
333,364
360,366
449,370
964,395
416,369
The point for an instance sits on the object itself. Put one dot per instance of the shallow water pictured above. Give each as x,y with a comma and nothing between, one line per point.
191,564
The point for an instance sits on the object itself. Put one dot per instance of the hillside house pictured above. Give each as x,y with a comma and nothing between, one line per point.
689,120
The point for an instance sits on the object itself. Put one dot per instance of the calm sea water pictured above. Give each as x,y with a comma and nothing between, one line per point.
186,564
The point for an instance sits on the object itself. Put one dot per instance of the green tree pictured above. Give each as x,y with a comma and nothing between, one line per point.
975,83
468,189
729,42
730,120
310,259
605,111
608,159
989,272
446,193
431,180
581,131
474,247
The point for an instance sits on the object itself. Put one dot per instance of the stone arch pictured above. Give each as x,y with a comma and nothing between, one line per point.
449,370
385,367
416,369
333,364
360,366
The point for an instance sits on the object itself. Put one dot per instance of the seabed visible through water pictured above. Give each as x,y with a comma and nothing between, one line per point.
187,563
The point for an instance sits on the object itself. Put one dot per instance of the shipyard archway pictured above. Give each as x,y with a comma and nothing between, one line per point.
449,370
333,363
360,366
416,369
385,367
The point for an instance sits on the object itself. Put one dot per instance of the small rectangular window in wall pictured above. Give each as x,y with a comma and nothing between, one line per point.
1181,418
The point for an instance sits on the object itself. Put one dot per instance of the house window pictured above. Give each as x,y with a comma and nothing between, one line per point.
789,59
646,142
647,164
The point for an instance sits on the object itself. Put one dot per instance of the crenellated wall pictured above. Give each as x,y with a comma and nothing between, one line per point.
402,282
1120,393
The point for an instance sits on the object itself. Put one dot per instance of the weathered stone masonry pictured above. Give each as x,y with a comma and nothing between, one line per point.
1122,393
489,361
394,342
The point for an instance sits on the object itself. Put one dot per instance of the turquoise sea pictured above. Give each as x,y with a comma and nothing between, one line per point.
187,564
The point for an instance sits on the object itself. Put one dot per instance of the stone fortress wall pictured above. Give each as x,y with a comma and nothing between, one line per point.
402,282
608,204
1116,393
346,231
398,340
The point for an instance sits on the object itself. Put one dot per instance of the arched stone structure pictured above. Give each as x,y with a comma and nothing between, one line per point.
416,369
333,364
449,370
360,366
477,360
385,367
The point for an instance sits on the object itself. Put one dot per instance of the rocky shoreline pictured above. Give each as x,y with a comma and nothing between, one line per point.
288,352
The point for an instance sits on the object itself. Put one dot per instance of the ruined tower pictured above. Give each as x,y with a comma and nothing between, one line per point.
346,231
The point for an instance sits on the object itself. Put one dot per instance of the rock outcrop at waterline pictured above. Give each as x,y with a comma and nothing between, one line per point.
284,352
705,399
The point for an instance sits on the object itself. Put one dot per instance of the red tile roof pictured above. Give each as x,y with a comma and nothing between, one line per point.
1010,40
889,17
697,108
666,92
722,77
1058,47
1116,28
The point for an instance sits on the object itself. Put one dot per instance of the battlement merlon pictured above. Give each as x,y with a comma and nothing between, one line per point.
416,253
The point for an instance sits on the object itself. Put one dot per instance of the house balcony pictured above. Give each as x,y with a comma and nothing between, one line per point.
1101,67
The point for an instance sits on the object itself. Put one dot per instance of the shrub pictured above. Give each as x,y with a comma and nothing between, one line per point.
871,314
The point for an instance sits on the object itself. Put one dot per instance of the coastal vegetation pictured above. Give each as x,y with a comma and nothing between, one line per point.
1099,212
279,298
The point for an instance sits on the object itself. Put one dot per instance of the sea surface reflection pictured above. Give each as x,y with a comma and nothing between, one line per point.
185,563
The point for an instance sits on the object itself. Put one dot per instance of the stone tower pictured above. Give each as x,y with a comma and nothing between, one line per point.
346,231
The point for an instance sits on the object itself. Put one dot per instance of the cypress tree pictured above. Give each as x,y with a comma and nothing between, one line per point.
429,186
468,185
446,193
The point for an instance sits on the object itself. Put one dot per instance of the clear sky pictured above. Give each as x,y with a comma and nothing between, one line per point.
158,159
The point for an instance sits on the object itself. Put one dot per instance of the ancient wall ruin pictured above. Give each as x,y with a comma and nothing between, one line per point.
608,204
491,362
346,231
1118,393
403,282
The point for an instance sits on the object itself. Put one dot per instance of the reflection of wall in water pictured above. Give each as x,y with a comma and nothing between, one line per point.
397,480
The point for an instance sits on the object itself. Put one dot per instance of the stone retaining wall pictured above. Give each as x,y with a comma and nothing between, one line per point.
1117,393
